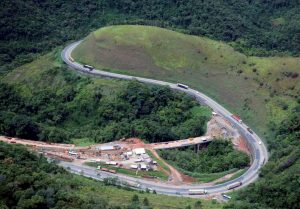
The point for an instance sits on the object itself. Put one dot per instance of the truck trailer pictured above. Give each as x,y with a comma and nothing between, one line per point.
182,86
197,192
234,185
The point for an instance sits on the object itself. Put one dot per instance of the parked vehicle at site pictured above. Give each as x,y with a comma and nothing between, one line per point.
235,185
197,191
112,171
182,86
226,196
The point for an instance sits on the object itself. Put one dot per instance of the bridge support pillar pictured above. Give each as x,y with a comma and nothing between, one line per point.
197,147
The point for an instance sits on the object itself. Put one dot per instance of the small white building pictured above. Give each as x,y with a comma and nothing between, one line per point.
129,154
148,160
105,148
134,166
139,151
138,160
143,166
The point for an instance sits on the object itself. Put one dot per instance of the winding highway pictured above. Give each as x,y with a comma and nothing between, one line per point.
259,153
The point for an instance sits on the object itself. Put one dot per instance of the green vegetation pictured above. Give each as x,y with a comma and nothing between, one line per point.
219,156
264,91
83,142
206,177
130,172
278,185
45,101
234,176
258,27
28,181
261,90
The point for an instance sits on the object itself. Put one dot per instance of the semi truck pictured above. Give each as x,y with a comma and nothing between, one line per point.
234,185
182,86
197,192
237,118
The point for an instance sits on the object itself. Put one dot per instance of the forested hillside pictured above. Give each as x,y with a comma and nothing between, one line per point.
260,27
219,156
278,185
42,100
30,182
45,101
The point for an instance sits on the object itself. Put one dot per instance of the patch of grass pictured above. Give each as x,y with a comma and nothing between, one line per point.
206,177
122,197
140,173
245,85
83,142
202,111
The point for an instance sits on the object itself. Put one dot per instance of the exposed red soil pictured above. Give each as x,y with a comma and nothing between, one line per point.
242,145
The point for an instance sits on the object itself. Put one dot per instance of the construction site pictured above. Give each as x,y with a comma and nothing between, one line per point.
133,154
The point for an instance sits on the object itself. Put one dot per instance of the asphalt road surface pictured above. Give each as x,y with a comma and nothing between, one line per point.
257,147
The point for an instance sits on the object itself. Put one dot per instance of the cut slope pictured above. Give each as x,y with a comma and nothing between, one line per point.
260,89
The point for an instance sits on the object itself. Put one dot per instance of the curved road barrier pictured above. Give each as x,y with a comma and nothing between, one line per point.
259,153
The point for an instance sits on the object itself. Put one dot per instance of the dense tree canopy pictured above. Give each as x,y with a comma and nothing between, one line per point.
150,112
29,181
261,27
217,157
278,186
29,28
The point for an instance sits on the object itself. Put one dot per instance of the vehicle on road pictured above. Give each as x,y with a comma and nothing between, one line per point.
71,59
237,118
197,191
89,67
182,86
250,131
235,185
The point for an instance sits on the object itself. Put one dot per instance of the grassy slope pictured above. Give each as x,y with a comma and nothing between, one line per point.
40,74
253,87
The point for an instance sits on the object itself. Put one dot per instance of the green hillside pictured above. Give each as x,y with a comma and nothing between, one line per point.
261,90
43,100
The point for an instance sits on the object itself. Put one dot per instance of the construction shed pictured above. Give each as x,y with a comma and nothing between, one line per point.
105,148
139,151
